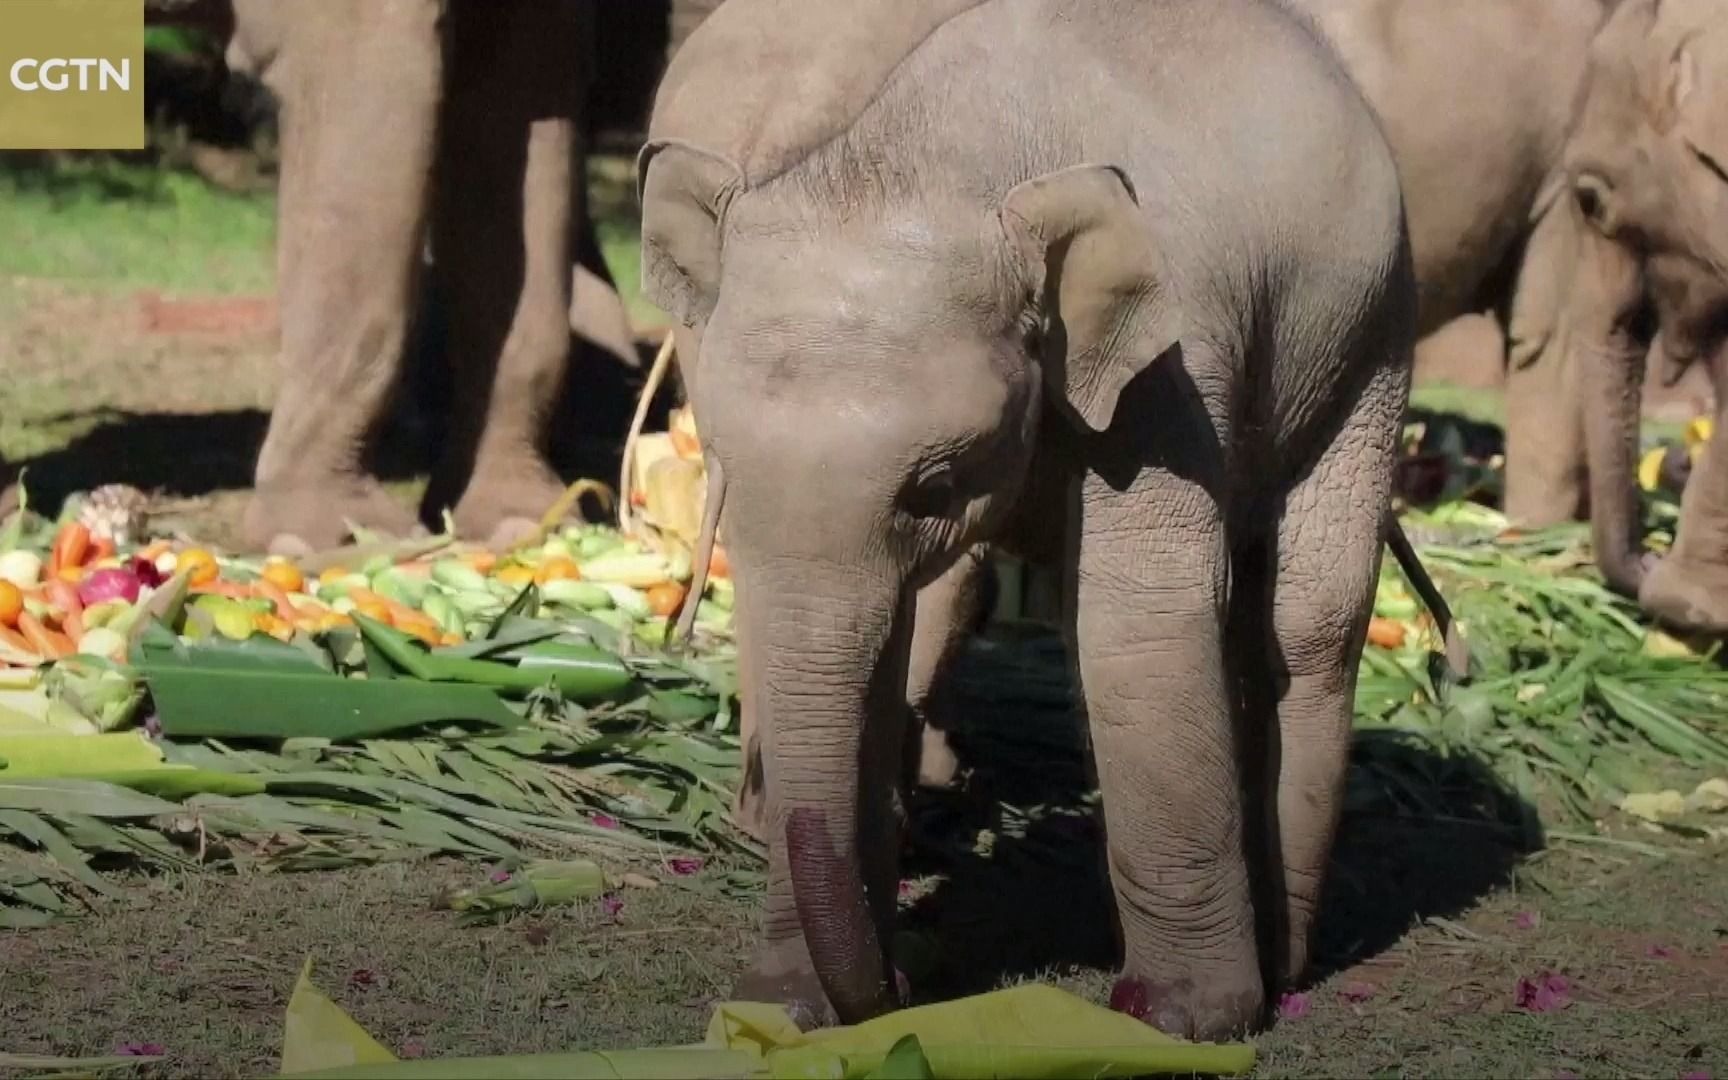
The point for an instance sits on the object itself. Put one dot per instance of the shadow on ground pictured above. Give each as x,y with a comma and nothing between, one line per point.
188,455
1016,851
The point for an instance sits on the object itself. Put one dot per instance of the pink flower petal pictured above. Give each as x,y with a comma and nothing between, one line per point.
1294,1005
1547,992
1526,920
611,905
905,890
499,876
684,865
1357,992
603,821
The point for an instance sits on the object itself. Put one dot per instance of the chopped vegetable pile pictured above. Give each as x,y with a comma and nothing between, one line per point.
165,704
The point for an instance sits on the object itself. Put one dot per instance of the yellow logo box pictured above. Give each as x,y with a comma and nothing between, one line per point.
71,74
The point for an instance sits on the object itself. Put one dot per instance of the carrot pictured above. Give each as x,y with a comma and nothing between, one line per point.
154,550
72,623
1385,633
63,595
43,642
231,589
399,612
273,593
71,547
102,548
17,641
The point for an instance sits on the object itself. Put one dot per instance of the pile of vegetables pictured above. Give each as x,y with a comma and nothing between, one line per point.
403,697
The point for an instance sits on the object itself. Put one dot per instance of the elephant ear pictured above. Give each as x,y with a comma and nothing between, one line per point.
1695,96
684,192
1107,305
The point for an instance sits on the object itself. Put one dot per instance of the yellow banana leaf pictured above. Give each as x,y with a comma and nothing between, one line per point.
318,1035
1028,1031
1650,468
1699,431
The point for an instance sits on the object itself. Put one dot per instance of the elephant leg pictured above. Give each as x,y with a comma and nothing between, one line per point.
1148,632
358,85
947,611
1545,406
1327,558
1689,587
504,233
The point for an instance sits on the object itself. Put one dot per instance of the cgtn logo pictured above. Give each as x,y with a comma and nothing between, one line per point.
61,74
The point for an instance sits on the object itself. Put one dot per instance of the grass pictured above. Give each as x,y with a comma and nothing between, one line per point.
105,224
1430,913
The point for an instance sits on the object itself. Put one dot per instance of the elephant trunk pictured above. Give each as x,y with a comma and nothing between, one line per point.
826,682
1615,370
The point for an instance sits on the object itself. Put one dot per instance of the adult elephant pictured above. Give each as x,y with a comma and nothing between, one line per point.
402,121
1648,172
1476,100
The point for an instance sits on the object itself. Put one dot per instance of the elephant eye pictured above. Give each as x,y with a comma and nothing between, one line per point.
931,493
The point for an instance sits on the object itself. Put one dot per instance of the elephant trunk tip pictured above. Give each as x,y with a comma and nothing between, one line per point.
838,927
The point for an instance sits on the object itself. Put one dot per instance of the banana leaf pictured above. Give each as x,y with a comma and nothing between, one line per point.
125,759
222,689
1032,1031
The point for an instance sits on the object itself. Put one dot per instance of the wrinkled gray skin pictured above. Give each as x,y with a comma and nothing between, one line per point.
1476,99
1648,168
947,258
1481,178
402,120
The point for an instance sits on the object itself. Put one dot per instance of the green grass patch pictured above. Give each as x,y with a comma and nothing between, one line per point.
109,223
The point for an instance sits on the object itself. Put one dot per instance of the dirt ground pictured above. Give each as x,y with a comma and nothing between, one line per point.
153,364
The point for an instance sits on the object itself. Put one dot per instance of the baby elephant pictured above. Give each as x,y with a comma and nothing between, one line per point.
1145,256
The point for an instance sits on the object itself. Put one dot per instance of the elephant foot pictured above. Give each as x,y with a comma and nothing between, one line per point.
1179,1008
1686,596
784,976
316,516
504,508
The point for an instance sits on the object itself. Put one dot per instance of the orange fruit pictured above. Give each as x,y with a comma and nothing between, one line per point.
516,575
374,610
557,568
332,573
72,574
1385,633
284,575
11,603
198,565
274,625
333,620
719,566
664,598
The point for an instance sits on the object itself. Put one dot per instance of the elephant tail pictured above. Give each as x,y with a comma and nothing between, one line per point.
1457,649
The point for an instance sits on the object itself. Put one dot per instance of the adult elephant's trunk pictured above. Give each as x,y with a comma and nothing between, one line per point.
825,679
1614,365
